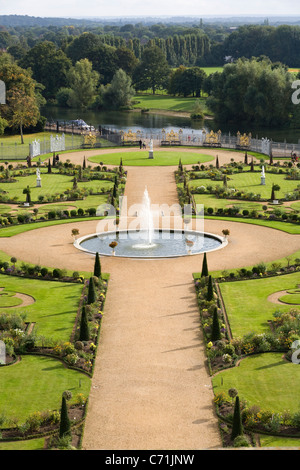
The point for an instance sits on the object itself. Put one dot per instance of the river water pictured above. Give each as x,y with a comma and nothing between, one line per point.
151,124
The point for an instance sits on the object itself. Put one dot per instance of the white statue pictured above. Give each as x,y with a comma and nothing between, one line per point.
151,145
38,174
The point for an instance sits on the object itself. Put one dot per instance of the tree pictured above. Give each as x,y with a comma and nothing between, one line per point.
237,428
25,111
49,66
126,60
120,92
84,333
210,292
97,266
204,272
65,425
83,81
23,95
91,292
153,70
103,56
252,91
28,196
215,332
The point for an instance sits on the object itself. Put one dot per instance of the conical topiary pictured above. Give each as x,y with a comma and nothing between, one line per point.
215,331
210,292
91,292
65,425
84,333
97,266
204,271
237,427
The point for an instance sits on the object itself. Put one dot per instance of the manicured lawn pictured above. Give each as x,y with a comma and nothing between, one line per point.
55,307
29,444
8,299
249,182
209,200
12,230
247,304
165,102
287,227
36,384
274,441
266,380
29,138
210,70
51,184
161,158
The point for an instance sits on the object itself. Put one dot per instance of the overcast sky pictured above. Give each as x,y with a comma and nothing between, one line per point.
117,8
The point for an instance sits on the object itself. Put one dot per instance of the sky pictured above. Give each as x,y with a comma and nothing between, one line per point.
155,8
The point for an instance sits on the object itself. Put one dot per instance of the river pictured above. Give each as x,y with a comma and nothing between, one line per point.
153,123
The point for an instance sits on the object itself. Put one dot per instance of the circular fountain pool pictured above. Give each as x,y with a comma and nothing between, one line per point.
163,243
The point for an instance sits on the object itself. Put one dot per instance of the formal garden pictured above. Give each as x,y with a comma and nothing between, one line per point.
50,318
250,316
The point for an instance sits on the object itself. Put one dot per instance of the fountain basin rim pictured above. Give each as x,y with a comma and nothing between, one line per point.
223,242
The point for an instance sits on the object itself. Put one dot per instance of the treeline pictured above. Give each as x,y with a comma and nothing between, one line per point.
200,44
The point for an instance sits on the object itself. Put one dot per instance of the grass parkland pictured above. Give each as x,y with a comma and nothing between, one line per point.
53,339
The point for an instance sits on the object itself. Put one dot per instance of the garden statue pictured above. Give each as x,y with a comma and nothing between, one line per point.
263,176
38,178
151,149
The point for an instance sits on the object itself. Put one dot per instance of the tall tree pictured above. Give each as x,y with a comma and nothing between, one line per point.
65,425
25,111
23,98
83,81
49,66
120,92
153,70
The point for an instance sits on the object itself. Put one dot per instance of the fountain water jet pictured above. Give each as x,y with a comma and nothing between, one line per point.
146,218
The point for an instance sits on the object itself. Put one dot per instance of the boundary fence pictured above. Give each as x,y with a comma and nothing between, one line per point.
87,138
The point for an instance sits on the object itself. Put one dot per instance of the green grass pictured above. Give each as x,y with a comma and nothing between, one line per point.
247,305
266,380
36,384
29,138
165,102
209,200
161,158
291,298
55,307
287,227
210,70
8,299
274,441
51,184
249,182
29,444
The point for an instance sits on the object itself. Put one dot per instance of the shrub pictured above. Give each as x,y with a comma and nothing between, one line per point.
84,334
51,215
241,441
65,425
57,273
44,272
